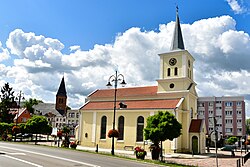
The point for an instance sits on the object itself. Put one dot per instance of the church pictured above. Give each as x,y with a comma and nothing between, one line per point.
175,92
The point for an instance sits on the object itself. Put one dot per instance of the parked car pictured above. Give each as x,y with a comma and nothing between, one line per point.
27,135
228,148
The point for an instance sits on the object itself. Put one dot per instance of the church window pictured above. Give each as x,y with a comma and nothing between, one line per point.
103,127
140,126
175,71
60,100
169,71
171,85
190,74
191,113
121,127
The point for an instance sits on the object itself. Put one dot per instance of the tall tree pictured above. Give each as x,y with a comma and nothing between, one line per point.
30,103
7,100
160,127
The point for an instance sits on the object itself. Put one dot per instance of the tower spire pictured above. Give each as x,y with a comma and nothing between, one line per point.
62,90
177,41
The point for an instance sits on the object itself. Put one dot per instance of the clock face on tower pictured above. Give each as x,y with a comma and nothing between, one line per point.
172,61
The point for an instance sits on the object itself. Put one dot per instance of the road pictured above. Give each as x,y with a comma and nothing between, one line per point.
24,155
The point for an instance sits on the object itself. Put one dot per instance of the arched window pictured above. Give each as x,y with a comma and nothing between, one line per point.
169,71
103,127
175,71
121,127
140,126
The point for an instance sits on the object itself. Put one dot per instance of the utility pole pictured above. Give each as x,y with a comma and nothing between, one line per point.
216,139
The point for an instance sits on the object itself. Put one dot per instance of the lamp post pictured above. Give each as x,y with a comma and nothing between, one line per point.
19,96
115,78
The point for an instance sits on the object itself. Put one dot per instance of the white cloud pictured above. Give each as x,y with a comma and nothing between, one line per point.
4,53
236,7
221,53
74,48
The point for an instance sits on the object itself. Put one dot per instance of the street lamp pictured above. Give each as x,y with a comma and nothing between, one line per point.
115,78
19,96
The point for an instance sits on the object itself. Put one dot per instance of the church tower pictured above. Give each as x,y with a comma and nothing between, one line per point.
176,81
176,66
61,98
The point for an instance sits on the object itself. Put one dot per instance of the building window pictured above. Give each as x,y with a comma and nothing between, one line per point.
218,101
169,71
238,112
103,127
140,126
77,115
210,103
201,104
239,130
229,130
210,129
121,127
201,112
218,108
229,112
60,100
238,103
228,104
238,120
229,121
210,112
175,71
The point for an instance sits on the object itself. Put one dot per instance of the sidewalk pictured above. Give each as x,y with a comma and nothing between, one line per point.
205,160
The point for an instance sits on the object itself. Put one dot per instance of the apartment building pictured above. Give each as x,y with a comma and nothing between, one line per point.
229,113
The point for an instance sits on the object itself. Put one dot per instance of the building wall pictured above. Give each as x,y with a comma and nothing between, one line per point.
130,129
229,113
25,115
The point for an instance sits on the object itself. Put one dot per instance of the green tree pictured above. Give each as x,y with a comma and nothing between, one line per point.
7,100
248,126
161,127
30,103
232,140
38,125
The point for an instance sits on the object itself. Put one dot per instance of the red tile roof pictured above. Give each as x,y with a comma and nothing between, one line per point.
133,104
126,92
195,126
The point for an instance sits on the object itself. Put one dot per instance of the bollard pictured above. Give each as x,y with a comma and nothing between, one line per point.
96,148
238,163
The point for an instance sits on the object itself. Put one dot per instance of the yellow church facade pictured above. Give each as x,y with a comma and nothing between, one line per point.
175,92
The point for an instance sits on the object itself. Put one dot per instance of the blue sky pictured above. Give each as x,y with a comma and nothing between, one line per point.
42,40
86,23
